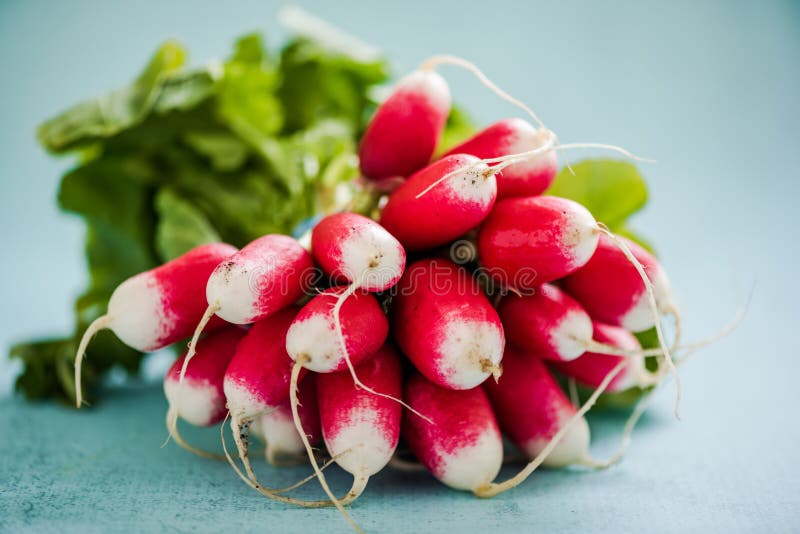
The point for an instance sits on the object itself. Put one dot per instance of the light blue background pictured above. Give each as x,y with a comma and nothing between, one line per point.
710,89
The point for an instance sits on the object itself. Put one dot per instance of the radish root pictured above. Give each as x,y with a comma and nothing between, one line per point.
433,62
174,433
651,297
337,322
207,315
101,323
492,489
298,365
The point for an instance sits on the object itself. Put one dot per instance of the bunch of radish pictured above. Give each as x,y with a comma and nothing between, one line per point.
370,339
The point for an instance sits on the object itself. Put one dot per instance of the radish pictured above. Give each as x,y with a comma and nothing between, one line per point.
526,242
257,378
403,134
200,400
539,418
267,275
531,408
591,368
446,325
361,430
325,340
547,322
158,307
513,136
353,248
283,443
463,447
312,337
440,202
611,290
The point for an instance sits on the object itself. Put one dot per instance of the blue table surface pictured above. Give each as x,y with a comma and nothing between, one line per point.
710,89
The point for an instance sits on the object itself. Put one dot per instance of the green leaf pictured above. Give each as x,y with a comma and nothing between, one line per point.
319,84
612,190
181,226
115,111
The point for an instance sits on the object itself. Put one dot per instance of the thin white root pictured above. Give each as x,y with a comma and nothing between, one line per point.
572,387
101,323
337,323
407,466
605,348
267,492
174,433
651,297
241,436
492,489
433,62
298,365
627,435
207,315
604,146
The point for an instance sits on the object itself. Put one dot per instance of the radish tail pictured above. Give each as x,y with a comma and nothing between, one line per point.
493,489
174,433
653,308
343,347
433,62
98,324
298,365
207,315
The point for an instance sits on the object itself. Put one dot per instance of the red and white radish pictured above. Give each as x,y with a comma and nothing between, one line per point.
540,419
611,290
592,367
267,275
403,134
547,322
526,242
531,408
200,399
529,177
312,341
325,340
282,442
158,307
446,325
462,447
361,430
257,378
441,202
353,248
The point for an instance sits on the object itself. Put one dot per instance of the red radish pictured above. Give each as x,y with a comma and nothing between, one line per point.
591,368
529,177
283,443
526,242
531,408
612,291
440,202
404,132
361,430
463,447
257,378
539,418
267,275
158,307
200,400
312,337
547,322
351,247
444,323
